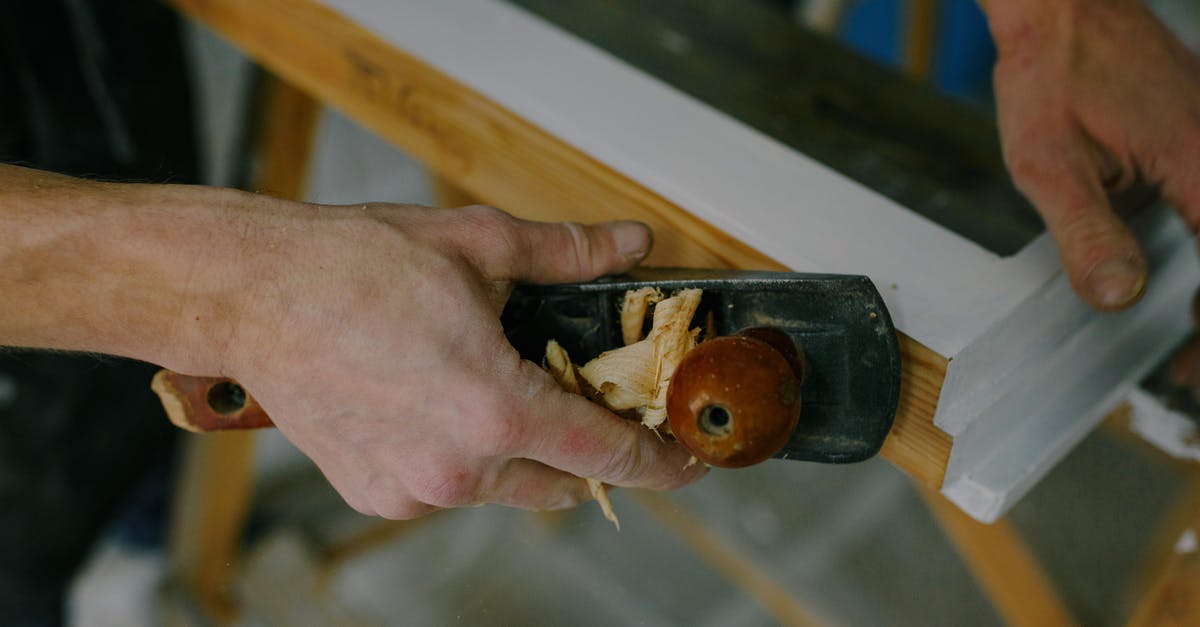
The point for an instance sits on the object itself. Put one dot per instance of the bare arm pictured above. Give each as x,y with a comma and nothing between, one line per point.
122,269
370,332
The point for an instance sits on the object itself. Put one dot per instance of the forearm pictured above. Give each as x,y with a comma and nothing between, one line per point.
148,272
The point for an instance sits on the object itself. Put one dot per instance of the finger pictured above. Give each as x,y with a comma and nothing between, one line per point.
586,440
560,252
1181,178
389,498
1100,255
532,485
1059,170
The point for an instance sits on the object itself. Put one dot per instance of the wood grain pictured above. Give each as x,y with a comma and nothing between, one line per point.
502,159
1003,567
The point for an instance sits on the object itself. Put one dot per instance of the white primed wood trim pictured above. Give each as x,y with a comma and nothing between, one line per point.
1172,432
948,290
1003,447
1031,368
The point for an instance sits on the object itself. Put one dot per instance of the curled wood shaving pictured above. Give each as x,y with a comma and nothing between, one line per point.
633,312
637,376
559,365
634,379
625,378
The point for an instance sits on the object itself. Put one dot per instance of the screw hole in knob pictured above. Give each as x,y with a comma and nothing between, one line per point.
715,420
734,379
226,398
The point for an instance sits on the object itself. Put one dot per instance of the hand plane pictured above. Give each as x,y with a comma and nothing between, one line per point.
844,336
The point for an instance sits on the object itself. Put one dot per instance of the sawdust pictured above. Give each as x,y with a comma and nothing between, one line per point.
633,380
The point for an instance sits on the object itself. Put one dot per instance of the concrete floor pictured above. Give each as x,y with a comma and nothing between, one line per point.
854,545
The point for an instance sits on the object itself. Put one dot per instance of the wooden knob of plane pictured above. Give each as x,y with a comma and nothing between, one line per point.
734,401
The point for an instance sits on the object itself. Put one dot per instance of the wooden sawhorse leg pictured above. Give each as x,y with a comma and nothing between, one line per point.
1002,565
215,482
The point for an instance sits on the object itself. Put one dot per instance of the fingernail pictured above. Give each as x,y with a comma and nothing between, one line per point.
632,238
1116,282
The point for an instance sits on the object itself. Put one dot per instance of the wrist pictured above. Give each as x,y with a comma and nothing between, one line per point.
152,272
213,253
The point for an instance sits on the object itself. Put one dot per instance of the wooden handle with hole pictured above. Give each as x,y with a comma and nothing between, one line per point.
203,404
733,401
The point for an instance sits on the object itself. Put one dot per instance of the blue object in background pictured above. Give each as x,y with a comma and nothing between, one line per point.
872,27
963,51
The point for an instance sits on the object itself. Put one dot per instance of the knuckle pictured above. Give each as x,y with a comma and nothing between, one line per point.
389,503
570,496
447,484
402,510
1024,167
624,461
494,234
361,506
581,246
562,498
386,497
492,222
503,430
1087,237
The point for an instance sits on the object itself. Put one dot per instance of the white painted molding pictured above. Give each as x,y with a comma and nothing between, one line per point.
1034,407
1031,369
798,211
1173,433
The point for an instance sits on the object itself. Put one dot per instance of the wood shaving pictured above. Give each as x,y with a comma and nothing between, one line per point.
637,376
633,380
559,365
633,312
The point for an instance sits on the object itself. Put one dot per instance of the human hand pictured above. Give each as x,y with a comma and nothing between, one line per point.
1095,96
373,339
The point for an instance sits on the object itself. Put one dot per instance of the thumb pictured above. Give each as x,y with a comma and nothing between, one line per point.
1055,164
1100,255
561,252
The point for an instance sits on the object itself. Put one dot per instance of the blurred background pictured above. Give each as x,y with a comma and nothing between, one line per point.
88,465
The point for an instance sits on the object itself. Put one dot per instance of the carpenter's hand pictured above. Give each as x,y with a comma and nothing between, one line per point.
375,344
1094,95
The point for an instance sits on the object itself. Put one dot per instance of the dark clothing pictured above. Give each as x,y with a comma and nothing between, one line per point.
92,88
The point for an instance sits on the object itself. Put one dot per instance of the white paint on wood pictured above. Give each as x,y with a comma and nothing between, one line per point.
1031,367
948,290
1173,433
1187,542
1003,447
